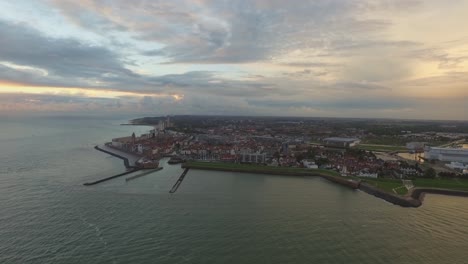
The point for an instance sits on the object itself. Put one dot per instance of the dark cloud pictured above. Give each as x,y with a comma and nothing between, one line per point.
369,103
69,63
61,57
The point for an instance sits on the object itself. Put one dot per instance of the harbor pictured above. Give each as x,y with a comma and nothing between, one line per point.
132,163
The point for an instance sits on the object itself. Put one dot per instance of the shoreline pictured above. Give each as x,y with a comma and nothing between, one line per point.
414,199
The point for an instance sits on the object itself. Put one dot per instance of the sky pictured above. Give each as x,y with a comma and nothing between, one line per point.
320,58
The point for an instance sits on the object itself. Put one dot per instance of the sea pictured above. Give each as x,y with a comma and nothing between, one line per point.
48,216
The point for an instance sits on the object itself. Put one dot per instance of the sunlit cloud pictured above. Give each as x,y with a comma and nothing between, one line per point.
82,92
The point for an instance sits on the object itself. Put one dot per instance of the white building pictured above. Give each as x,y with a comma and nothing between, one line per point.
457,165
309,164
368,174
447,154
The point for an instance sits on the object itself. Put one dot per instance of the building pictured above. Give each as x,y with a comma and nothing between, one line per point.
368,174
123,142
340,142
310,164
457,166
253,158
415,146
446,154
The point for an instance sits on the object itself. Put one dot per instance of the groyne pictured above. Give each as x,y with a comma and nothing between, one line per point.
111,177
142,174
125,160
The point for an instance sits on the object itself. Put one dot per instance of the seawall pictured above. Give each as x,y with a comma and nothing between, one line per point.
418,193
125,160
336,179
349,183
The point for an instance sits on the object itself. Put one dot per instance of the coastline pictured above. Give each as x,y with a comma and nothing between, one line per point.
413,199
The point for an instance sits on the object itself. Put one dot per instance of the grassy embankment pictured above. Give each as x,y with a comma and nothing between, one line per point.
259,169
392,186
451,184
388,185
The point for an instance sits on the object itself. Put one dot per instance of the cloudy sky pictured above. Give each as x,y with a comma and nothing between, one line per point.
340,58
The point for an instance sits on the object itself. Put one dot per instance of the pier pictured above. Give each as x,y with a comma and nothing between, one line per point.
179,181
142,174
111,177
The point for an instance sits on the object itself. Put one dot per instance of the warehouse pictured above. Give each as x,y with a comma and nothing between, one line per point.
340,142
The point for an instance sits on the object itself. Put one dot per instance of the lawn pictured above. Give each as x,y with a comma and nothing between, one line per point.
454,184
382,148
387,185
258,168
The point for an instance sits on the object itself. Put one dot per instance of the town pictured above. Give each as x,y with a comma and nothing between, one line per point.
385,149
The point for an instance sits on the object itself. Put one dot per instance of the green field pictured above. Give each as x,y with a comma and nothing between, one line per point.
258,168
453,184
381,148
387,185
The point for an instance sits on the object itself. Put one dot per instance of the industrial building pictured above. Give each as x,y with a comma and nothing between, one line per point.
446,154
340,142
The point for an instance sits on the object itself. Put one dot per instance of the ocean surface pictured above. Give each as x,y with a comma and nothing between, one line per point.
48,216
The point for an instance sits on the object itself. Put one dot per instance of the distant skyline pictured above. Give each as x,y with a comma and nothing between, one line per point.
405,59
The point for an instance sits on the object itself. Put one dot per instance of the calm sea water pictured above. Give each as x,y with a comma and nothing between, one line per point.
48,216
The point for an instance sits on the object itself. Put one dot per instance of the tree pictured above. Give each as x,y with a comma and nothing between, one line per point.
300,157
430,173
322,161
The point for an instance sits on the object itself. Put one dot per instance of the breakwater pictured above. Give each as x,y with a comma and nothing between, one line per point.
415,199
389,197
142,174
111,177
418,193
125,160
179,181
